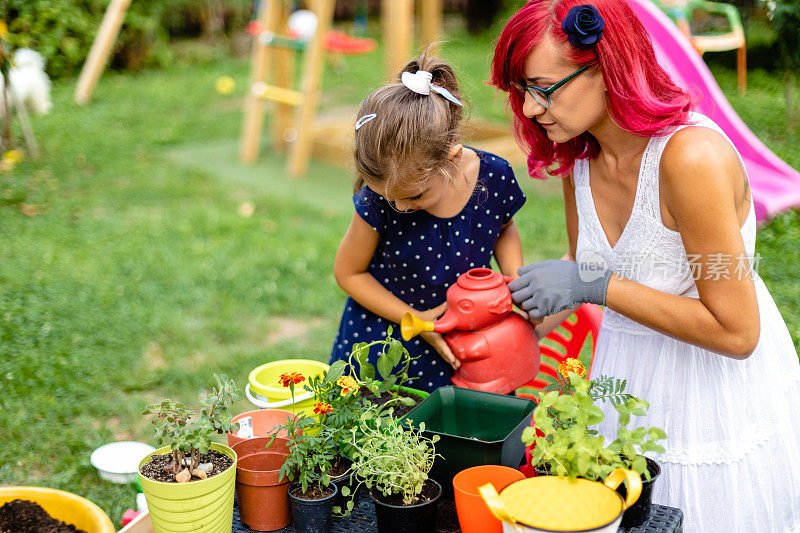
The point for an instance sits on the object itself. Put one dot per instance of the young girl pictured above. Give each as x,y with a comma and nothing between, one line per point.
427,209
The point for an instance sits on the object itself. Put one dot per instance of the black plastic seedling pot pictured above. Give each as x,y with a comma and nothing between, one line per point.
475,428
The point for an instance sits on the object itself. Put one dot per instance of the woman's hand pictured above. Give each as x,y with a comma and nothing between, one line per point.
547,287
435,339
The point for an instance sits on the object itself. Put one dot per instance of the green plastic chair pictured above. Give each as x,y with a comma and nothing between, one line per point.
682,12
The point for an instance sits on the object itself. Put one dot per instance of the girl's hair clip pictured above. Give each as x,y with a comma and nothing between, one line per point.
420,83
363,120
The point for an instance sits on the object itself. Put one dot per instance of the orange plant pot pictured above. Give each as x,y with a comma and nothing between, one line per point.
264,422
474,515
263,497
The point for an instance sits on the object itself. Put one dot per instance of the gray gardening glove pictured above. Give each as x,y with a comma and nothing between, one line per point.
547,287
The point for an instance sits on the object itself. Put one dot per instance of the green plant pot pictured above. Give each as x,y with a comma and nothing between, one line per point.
198,506
416,392
474,427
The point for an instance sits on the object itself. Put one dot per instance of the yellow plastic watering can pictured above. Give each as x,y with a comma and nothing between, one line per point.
550,503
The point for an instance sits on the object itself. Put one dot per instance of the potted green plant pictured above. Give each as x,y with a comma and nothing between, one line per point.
190,480
565,445
390,383
338,406
309,466
394,462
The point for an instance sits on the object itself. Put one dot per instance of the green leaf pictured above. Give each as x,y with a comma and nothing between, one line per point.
367,371
395,352
335,372
385,366
387,383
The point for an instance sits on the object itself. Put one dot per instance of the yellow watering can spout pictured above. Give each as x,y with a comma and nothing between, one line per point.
412,325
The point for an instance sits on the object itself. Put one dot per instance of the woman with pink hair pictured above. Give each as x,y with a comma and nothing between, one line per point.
661,231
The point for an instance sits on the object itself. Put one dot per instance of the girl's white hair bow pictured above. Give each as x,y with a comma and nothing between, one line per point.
420,83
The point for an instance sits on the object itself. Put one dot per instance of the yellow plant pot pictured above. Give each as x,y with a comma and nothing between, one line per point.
198,506
64,506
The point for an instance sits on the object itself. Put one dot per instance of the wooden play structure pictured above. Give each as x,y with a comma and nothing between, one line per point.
100,50
295,127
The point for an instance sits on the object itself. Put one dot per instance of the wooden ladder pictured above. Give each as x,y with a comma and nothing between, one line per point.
272,73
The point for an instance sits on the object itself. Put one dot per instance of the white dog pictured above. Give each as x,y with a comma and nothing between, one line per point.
28,81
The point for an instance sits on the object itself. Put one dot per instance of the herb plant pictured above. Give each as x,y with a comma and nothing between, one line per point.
390,459
567,446
393,354
189,438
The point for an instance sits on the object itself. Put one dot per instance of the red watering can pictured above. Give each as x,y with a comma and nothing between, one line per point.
498,349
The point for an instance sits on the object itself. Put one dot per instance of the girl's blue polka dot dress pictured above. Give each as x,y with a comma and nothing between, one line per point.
419,256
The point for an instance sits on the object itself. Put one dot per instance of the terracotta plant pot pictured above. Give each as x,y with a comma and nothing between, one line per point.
203,506
264,421
419,518
311,516
263,497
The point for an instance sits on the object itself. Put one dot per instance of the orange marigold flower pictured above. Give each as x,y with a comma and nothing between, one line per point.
571,365
322,408
291,377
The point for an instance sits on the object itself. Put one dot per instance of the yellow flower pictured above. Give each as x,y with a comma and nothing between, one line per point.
348,384
571,365
3,30
9,159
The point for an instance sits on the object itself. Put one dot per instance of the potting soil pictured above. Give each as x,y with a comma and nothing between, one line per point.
399,408
160,467
23,516
314,493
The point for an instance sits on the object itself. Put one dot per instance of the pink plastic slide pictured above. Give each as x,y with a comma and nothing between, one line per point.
775,185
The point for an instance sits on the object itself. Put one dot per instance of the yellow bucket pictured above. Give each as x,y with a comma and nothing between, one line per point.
265,391
64,506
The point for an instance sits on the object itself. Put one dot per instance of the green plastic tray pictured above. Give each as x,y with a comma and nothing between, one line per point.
475,428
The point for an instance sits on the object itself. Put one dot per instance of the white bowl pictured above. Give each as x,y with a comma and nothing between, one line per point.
118,462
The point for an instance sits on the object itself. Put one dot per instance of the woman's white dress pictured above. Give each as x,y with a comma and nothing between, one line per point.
732,460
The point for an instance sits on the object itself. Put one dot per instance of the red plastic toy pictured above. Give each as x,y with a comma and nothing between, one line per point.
498,349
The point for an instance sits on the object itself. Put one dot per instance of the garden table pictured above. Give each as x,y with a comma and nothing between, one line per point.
662,519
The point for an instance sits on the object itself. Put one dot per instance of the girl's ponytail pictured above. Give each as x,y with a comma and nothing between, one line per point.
410,134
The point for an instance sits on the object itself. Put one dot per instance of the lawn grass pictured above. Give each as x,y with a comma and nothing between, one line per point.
141,278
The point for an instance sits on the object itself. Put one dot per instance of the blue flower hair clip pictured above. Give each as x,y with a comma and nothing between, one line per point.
583,26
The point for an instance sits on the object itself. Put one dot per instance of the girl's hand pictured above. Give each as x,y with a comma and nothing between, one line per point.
435,339
432,314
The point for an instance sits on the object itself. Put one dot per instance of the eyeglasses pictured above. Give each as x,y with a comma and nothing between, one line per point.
542,96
